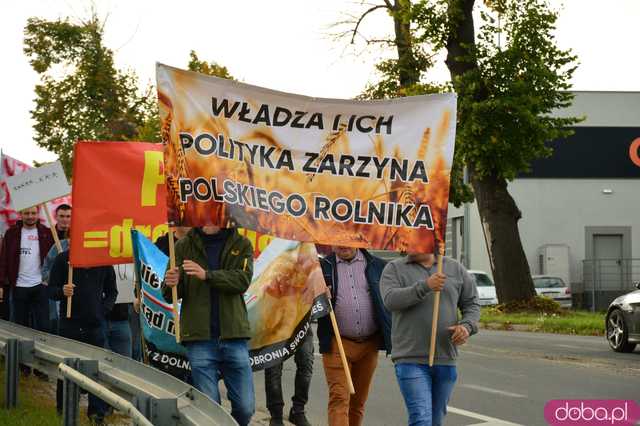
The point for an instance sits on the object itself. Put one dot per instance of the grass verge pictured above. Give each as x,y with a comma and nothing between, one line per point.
36,404
580,323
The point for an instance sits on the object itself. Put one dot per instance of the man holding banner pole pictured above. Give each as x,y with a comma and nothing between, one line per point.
409,286
353,277
213,269
94,290
61,229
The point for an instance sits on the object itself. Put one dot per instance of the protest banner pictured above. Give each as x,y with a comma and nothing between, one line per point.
287,291
37,186
363,174
117,187
158,326
9,166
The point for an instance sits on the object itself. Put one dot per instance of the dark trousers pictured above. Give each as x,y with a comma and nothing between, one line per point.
31,307
93,336
134,323
304,370
5,313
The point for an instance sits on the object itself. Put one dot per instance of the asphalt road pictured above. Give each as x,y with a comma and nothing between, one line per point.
504,377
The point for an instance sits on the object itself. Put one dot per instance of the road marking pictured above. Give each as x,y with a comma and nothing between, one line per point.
494,391
476,353
569,347
477,416
498,372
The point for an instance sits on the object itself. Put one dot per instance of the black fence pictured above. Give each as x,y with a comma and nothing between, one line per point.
603,280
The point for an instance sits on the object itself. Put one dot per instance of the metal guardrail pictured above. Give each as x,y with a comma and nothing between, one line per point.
103,393
159,397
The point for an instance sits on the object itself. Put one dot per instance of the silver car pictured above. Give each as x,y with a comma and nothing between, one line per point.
553,287
623,322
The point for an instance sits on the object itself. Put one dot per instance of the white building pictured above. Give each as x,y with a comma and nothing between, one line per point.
580,207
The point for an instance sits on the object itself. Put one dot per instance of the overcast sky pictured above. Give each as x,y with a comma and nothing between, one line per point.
279,44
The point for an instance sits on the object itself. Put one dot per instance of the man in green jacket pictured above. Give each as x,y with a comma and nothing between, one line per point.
213,270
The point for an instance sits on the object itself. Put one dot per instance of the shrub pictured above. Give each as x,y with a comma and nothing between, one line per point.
539,304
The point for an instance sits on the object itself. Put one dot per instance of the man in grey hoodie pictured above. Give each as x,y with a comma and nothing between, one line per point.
408,286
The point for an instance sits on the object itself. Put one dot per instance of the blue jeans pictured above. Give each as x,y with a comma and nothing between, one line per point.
426,391
118,337
54,318
212,359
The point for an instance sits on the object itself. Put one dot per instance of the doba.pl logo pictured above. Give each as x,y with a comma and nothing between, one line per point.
591,412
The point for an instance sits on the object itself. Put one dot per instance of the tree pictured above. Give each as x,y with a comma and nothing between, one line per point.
81,96
509,78
149,130
208,68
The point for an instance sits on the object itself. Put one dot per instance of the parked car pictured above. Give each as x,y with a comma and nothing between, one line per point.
622,322
486,288
553,287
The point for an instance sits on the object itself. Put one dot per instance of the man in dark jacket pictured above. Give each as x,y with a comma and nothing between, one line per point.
93,294
24,248
63,221
353,277
214,269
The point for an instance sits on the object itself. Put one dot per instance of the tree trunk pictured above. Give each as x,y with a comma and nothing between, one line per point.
499,213
499,216
409,74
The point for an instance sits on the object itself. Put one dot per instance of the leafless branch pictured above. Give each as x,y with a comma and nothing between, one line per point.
368,11
379,41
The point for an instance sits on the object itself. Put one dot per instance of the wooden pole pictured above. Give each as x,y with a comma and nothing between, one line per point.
174,290
69,298
343,357
436,314
52,227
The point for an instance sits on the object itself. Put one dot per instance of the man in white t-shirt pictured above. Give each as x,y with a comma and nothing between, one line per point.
23,250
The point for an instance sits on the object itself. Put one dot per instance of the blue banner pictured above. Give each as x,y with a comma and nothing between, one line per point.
158,326
287,291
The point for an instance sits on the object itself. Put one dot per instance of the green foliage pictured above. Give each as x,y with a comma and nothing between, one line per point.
208,68
504,103
81,95
149,130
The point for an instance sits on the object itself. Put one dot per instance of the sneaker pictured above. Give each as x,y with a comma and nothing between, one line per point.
276,421
298,419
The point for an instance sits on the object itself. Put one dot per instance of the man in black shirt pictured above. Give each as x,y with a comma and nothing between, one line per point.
94,294
63,221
